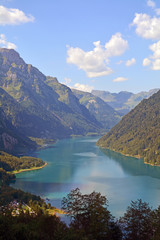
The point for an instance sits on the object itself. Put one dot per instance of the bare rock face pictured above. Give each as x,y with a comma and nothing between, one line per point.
11,56
13,67
9,142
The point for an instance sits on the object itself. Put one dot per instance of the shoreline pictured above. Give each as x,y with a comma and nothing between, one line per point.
29,169
127,155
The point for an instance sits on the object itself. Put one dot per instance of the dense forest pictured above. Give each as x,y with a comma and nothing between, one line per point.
138,133
90,219
12,163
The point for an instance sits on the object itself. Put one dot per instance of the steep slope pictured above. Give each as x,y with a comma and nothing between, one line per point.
105,114
48,117
123,101
10,139
25,121
77,111
138,133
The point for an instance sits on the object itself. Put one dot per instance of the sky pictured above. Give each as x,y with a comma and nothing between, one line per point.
111,45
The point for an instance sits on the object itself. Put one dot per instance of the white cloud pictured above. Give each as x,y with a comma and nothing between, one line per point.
116,46
151,4
83,87
120,79
149,28
5,44
13,16
156,50
131,62
146,26
95,62
67,80
146,62
156,64
154,59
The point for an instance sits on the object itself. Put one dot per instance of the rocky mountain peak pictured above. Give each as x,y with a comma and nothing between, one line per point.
11,56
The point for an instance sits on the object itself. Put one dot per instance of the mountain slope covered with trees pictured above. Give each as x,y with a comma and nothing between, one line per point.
138,133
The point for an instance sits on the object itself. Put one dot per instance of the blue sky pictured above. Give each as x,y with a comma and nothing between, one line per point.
88,44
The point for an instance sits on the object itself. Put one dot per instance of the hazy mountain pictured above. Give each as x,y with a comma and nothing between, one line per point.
10,139
123,101
76,115
104,113
35,107
138,133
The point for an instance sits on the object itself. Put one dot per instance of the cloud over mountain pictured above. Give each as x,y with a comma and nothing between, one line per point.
4,43
95,62
83,87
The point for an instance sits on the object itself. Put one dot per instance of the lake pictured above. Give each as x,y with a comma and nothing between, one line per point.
78,162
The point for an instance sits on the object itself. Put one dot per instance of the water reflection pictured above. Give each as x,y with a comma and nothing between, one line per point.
133,166
80,163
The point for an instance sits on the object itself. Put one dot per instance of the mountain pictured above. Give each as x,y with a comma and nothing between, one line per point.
10,139
104,113
138,133
123,101
34,107
77,115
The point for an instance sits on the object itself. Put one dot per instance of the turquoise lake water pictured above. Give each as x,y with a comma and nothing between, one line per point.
78,162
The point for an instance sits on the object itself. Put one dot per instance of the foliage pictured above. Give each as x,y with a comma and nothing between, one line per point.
137,221
42,141
156,223
9,194
6,177
12,163
138,133
90,219
89,214
26,227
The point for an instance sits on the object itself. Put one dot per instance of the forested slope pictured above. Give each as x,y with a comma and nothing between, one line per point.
138,133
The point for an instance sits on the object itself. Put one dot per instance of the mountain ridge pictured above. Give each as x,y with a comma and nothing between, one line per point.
34,107
103,112
124,101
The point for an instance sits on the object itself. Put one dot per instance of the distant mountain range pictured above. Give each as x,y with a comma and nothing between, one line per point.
123,101
34,106
104,113
138,133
